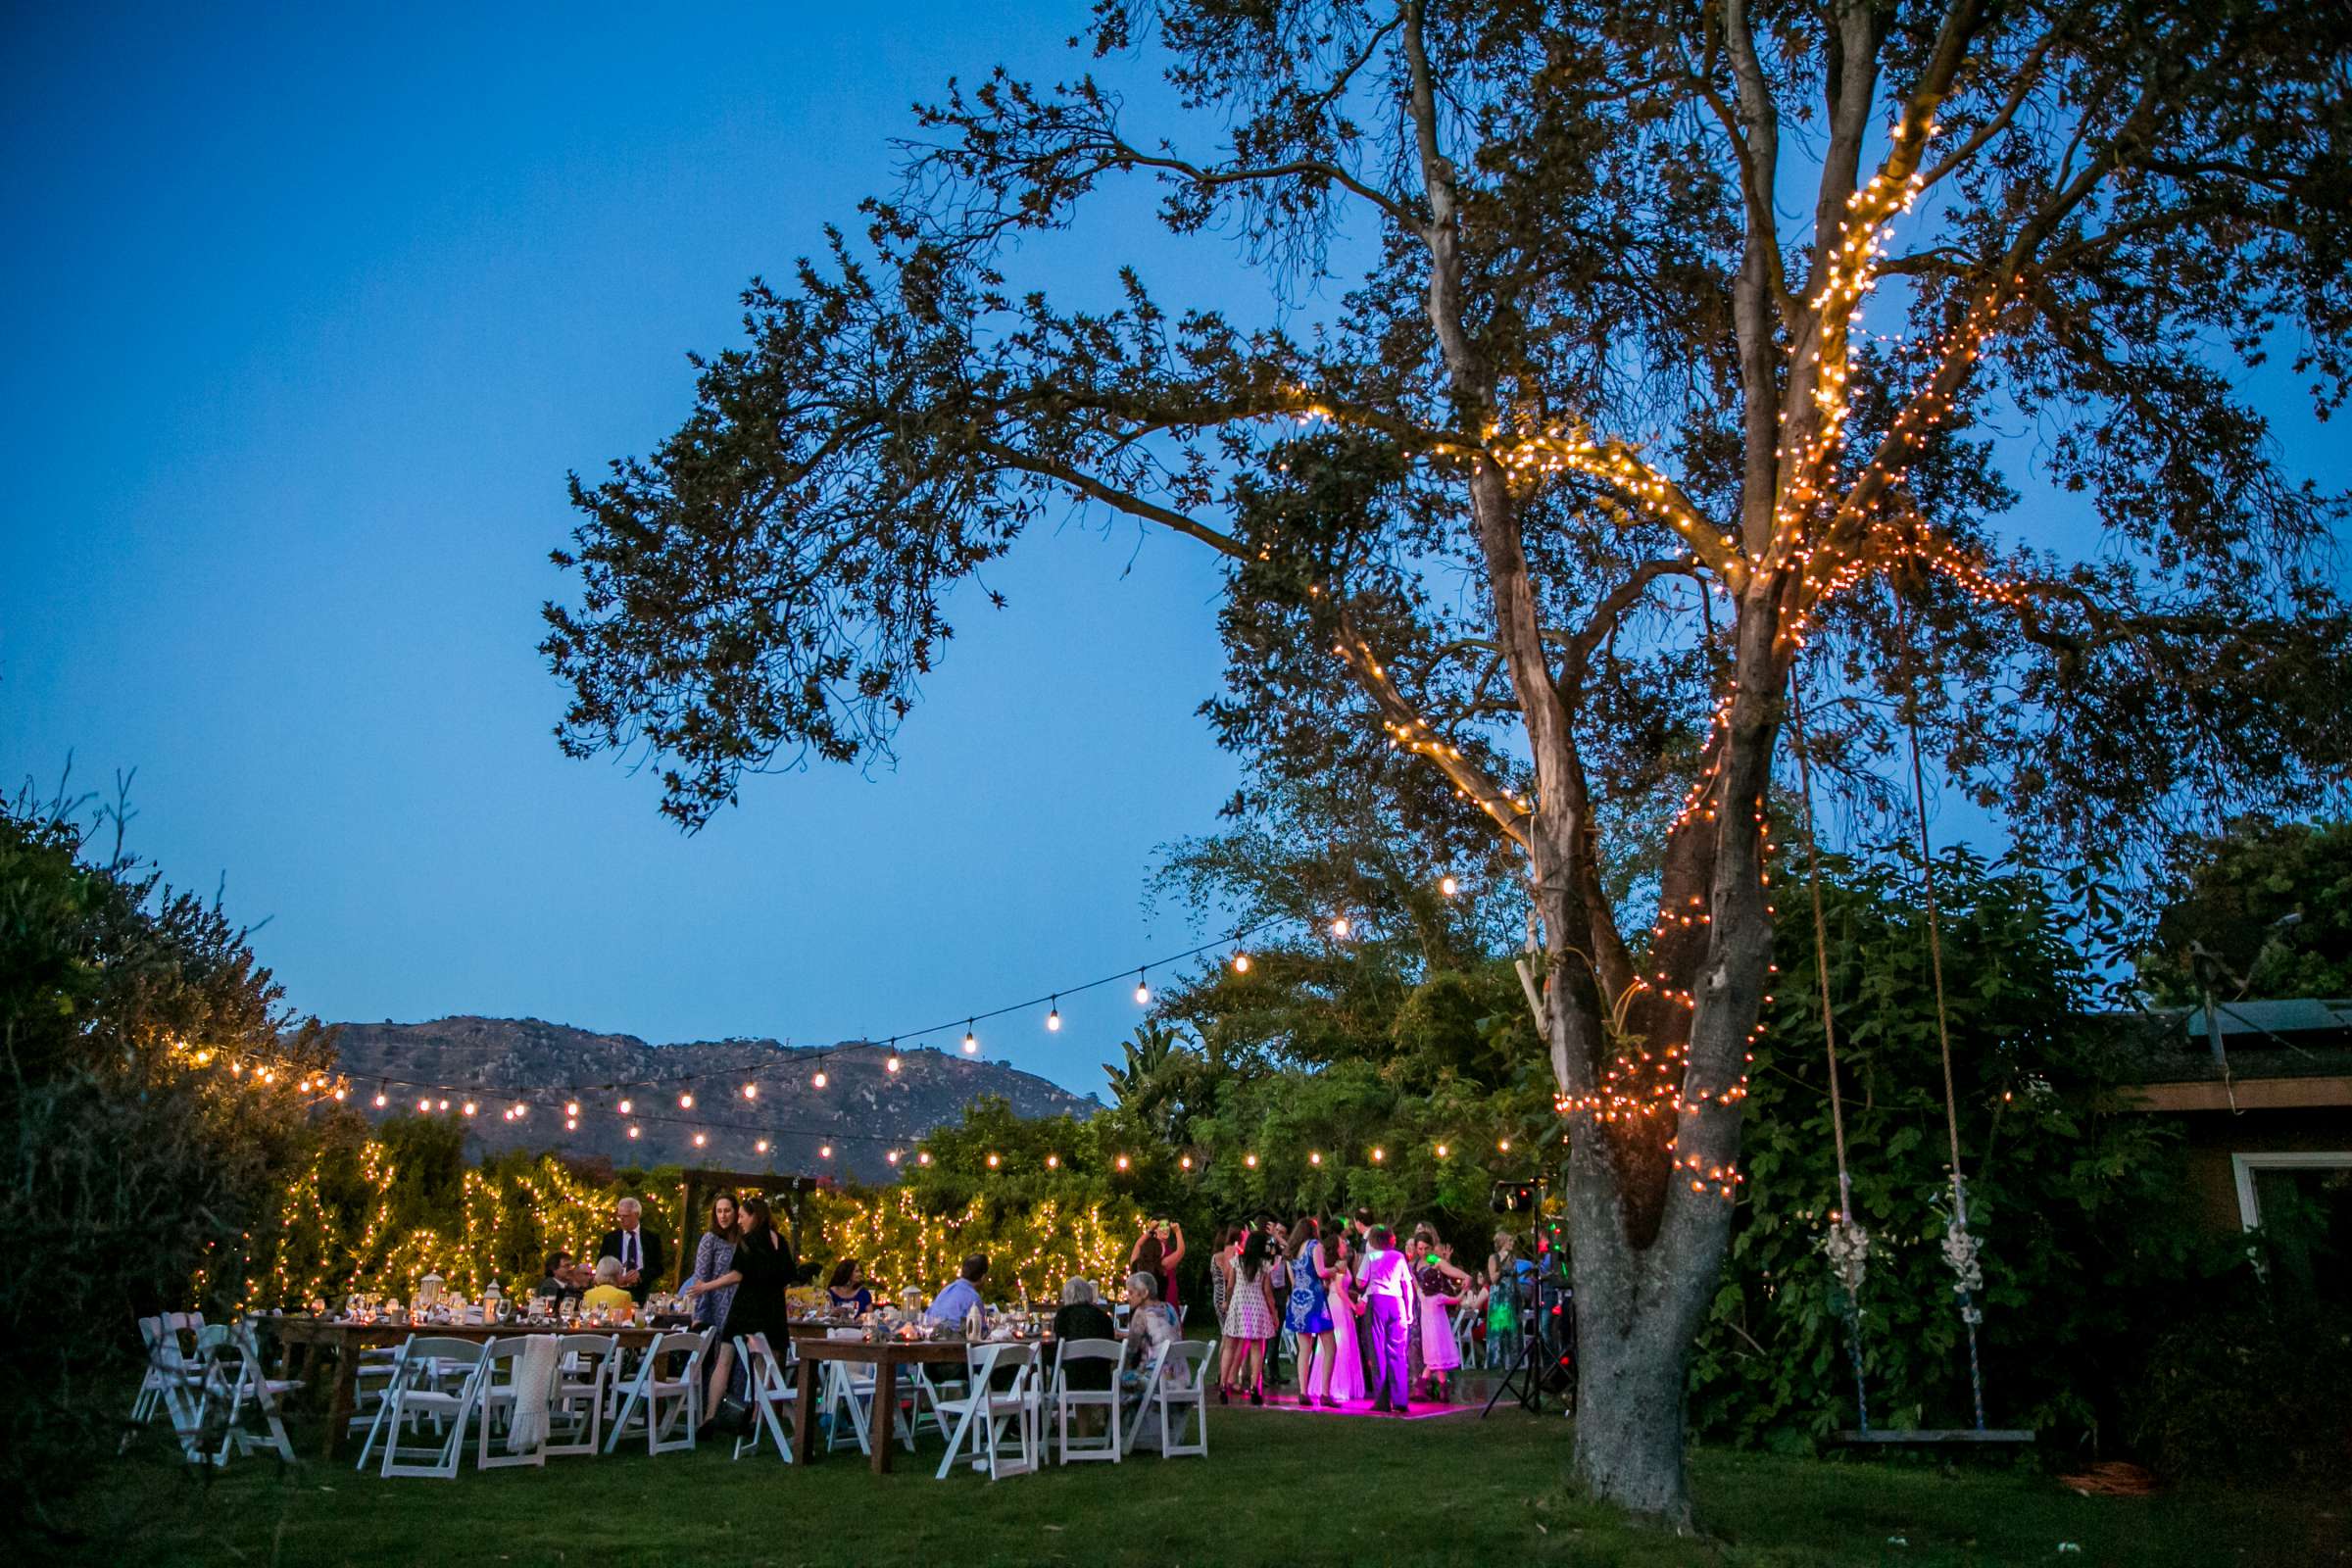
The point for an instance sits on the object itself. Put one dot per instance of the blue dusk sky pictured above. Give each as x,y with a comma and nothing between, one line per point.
308,311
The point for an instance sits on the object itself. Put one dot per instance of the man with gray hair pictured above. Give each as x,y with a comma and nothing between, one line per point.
635,1248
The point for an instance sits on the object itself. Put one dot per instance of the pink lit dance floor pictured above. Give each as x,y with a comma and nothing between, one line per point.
1421,1411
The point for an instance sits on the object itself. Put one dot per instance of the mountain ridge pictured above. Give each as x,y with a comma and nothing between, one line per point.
845,1129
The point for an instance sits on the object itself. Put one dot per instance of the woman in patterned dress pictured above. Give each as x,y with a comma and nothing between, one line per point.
1307,1313
1249,1317
713,1256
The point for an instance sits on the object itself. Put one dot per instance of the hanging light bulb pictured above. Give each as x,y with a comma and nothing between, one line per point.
1504,1145
686,1101
1143,990
700,1140
971,1041
1249,1161
818,1078
1443,1150
425,1105
469,1108
1340,928
632,1130
750,1091
1378,1153
1120,1162
444,1104
1448,887
521,1110
1186,1163
626,1106
824,1151
1241,963
1315,1157
1053,1162
993,1161
892,1156
890,1064
1054,1018
381,1100
571,1107
572,1124
338,1090
924,1158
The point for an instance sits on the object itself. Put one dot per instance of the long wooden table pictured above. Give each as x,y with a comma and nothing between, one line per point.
885,1356
346,1339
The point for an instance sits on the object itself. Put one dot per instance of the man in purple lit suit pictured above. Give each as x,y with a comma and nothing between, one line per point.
1388,1321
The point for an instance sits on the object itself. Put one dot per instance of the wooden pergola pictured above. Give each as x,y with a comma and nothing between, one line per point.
783,1190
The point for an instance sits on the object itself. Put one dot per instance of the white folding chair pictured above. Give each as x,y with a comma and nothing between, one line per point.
661,1403
1106,1400
587,1370
983,1412
380,1411
169,1372
440,1380
507,1392
773,1392
1174,1396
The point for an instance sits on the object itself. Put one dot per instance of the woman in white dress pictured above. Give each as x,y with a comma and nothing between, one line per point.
1249,1317
1338,1375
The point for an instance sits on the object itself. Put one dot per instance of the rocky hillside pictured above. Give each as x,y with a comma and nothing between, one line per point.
862,1114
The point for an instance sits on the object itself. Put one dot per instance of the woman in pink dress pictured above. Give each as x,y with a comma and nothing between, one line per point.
1441,1286
1338,1375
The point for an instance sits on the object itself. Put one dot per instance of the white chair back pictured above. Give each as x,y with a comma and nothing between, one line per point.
440,1385
1174,1391
1111,1356
587,1371
773,1394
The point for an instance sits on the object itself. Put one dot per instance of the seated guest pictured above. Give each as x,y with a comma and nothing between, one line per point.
562,1282
963,1293
845,1291
1151,1324
1082,1318
608,1293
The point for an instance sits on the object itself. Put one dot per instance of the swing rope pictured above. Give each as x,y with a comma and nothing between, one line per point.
1960,1248
1847,1244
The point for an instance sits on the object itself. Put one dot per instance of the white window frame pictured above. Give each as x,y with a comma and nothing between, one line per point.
2243,1166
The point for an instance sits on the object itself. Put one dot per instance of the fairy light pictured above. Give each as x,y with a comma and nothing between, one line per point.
1379,1153
993,1160
1183,1162
1503,1146
1315,1156
1120,1162
1053,1162
1443,1150
1448,887
1249,1161
924,1158
1340,928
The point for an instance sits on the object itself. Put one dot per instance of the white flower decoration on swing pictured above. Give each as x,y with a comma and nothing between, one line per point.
1847,1247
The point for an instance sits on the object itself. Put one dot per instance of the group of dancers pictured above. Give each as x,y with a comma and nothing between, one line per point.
1372,1313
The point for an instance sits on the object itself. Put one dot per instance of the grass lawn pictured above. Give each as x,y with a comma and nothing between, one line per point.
1279,1488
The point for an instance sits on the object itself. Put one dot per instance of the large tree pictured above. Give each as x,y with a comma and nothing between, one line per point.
1604,426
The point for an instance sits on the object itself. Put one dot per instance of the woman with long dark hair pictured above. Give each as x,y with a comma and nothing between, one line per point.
1249,1317
764,1269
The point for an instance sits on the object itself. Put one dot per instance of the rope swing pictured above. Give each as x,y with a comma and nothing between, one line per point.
1847,1244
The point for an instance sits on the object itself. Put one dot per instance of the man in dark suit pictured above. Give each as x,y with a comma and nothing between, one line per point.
637,1248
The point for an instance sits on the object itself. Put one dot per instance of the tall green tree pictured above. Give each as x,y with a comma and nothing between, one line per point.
143,1175
1597,436
2263,910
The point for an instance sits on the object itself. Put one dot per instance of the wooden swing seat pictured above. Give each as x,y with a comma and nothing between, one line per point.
1939,1436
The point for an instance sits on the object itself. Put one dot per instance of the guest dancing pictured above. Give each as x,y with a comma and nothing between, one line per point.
1339,1374
1441,1286
1249,1317
1307,1312
1388,1294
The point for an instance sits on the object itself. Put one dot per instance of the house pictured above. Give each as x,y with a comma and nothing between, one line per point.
2262,1091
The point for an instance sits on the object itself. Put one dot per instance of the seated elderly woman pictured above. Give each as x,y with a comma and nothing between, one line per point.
608,1293
1151,1323
1082,1318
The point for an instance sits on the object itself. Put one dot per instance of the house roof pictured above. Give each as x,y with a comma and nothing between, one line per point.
2287,1038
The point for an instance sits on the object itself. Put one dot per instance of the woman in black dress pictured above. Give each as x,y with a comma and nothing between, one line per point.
764,1268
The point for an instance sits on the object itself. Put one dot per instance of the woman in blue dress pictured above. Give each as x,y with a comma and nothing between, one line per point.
1307,1313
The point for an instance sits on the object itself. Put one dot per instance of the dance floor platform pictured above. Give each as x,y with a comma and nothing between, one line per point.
1420,1411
